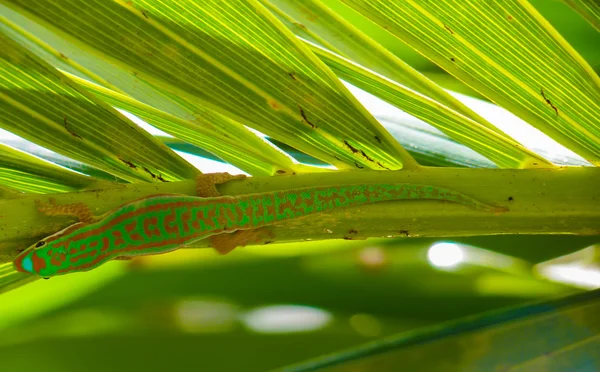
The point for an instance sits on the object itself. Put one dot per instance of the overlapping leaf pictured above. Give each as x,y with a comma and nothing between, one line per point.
318,23
23,172
54,158
501,150
10,278
562,335
248,152
42,105
196,133
589,9
509,53
234,57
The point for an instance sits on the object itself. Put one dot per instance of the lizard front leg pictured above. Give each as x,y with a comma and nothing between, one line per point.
206,184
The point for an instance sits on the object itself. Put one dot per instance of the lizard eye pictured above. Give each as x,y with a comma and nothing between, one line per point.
40,244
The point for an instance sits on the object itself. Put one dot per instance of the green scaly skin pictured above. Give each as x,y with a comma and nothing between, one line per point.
163,223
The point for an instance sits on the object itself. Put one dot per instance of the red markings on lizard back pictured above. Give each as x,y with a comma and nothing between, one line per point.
97,231
131,229
287,208
118,238
326,199
170,222
38,262
185,218
105,244
65,232
151,227
174,241
57,259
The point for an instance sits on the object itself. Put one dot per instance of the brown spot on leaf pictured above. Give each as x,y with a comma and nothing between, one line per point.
548,101
352,148
366,156
382,166
128,163
274,104
449,29
148,171
300,25
69,130
305,119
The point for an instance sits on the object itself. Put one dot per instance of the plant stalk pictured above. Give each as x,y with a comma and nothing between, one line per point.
540,201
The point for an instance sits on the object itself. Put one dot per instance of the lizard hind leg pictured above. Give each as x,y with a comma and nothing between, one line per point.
79,210
206,183
227,242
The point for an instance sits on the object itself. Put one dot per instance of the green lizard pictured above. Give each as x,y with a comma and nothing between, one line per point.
162,223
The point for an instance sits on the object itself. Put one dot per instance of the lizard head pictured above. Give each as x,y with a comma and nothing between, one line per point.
47,256
34,259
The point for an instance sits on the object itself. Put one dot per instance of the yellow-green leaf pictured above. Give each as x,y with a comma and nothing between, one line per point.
26,173
248,152
588,9
508,52
203,132
503,151
561,335
329,30
237,58
42,105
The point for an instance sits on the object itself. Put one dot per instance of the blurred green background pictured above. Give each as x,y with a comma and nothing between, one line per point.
267,307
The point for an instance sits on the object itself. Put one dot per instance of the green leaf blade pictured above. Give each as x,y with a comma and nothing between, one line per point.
268,79
503,151
588,9
341,37
509,53
44,106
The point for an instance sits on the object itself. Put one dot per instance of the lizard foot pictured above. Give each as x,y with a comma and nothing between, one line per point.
227,242
206,183
79,210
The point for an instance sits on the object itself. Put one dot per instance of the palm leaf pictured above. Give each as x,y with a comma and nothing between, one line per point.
264,84
531,70
74,123
486,342
589,9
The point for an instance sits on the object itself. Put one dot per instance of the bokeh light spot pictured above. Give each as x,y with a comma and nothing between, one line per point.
445,255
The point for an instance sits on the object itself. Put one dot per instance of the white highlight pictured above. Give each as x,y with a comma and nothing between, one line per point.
286,319
445,255
574,274
209,165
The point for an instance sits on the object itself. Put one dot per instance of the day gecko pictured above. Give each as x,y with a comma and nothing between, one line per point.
162,223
